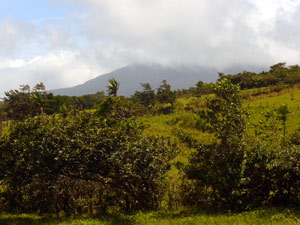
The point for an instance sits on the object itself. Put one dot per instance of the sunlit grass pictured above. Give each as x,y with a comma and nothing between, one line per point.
288,216
258,107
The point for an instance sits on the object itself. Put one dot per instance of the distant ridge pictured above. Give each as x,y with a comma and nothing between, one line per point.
130,78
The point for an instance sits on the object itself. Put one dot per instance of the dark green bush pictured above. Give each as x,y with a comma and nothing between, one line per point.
49,164
120,108
295,137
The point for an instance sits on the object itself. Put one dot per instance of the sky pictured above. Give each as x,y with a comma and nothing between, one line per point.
63,43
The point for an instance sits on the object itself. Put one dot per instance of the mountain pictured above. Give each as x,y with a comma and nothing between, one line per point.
130,78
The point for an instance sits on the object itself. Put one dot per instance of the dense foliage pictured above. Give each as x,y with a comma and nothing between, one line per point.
24,103
278,73
240,169
49,164
55,156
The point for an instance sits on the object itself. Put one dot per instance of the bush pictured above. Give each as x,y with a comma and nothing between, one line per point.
270,173
240,170
85,162
295,137
120,108
186,120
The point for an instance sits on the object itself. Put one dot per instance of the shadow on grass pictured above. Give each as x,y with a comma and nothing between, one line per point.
24,220
35,220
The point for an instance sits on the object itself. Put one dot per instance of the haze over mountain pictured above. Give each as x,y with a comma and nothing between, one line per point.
131,77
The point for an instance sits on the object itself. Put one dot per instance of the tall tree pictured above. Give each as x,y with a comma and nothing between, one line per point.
17,103
145,97
39,96
113,87
165,94
217,166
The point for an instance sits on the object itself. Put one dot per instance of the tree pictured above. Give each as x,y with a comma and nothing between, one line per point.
165,94
113,87
120,108
39,97
22,103
201,89
17,103
278,66
282,112
217,166
145,97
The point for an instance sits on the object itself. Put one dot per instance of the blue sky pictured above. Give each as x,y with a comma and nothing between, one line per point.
67,42
33,10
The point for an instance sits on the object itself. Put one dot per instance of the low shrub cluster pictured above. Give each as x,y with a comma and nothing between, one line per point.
76,164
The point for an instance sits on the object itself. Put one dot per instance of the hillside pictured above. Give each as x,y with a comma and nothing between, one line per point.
257,106
133,75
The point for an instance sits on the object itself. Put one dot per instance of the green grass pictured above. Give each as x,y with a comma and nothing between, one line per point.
260,216
27,219
160,125
260,106
164,125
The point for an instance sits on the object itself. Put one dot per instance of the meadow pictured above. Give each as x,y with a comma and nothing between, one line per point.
256,106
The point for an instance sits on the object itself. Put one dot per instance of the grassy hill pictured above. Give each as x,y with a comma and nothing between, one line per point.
165,125
256,106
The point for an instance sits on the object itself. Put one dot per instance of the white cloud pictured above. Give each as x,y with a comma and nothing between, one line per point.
210,33
114,33
11,63
56,69
13,34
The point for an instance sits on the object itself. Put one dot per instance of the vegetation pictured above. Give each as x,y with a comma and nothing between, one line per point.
79,163
173,152
277,74
146,97
113,87
272,216
24,103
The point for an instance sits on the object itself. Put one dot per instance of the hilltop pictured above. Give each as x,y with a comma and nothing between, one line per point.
133,75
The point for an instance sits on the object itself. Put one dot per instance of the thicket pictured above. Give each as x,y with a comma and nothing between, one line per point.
27,102
160,102
82,163
243,168
278,74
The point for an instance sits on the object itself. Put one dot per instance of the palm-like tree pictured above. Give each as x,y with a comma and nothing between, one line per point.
113,87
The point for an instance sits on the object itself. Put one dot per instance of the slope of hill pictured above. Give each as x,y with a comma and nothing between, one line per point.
133,75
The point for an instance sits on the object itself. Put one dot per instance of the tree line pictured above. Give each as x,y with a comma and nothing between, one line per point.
278,74
24,103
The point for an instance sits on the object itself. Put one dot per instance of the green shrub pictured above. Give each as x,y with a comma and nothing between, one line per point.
120,108
240,170
295,137
49,164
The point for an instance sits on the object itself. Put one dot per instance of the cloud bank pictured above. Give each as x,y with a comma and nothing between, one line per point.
106,35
